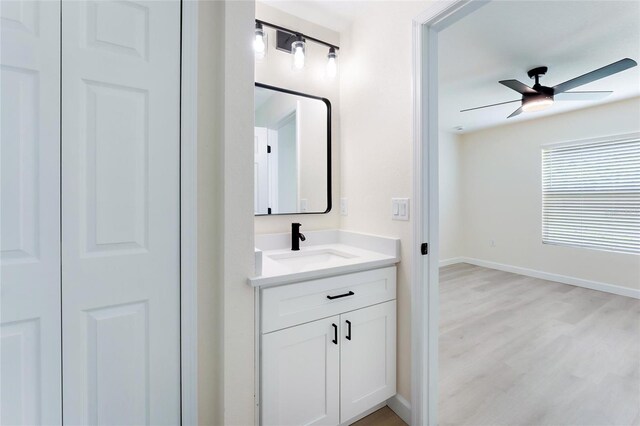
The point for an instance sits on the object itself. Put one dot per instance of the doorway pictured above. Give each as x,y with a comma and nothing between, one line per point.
529,280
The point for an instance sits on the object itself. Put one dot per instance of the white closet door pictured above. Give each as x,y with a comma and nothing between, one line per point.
30,213
120,205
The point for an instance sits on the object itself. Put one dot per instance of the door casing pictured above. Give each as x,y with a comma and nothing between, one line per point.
424,277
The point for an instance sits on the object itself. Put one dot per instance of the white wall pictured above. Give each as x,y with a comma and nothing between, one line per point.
502,195
450,180
225,213
376,137
276,70
210,218
238,248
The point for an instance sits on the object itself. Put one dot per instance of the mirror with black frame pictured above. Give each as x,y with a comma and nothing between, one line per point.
292,164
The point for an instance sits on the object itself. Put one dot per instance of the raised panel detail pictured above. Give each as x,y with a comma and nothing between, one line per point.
374,332
300,375
118,26
118,365
116,169
19,162
368,358
20,15
20,373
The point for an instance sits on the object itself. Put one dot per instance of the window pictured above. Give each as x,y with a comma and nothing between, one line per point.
591,194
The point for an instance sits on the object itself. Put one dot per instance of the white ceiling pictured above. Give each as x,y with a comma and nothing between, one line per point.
335,14
504,39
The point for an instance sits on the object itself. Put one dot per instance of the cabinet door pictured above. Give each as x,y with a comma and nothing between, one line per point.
368,358
30,212
120,212
300,374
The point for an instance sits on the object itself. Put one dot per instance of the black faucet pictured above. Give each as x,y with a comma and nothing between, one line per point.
296,236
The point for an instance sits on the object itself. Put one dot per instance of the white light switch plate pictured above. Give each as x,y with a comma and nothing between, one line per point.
400,208
344,207
303,205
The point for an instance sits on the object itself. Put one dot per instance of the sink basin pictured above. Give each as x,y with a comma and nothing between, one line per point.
324,253
310,259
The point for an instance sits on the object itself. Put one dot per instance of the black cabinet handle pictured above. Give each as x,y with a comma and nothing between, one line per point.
348,336
335,334
340,295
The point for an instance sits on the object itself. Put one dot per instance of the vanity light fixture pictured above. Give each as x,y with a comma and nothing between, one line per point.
332,66
298,48
260,41
295,43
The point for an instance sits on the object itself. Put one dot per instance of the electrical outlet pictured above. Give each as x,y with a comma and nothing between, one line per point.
344,207
400,208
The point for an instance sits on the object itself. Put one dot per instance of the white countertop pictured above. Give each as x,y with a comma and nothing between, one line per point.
332,252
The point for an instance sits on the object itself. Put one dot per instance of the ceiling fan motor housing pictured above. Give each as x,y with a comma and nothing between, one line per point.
542,92
536,72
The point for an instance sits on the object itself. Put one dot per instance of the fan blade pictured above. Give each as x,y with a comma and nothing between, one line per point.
516,112
487,106
517,86
581,96
603,72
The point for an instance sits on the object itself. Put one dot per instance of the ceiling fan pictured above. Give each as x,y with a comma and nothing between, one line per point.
539,97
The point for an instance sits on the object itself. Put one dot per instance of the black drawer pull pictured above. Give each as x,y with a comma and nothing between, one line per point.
340,295
348,336
335,334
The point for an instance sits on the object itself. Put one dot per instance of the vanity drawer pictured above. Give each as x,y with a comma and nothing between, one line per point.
298,303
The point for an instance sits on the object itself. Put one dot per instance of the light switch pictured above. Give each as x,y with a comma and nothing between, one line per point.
303,205
344,207
400,208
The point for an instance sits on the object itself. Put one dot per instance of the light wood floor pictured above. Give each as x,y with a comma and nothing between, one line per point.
383,417
516,350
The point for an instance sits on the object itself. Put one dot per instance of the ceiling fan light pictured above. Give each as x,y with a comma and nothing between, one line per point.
537,104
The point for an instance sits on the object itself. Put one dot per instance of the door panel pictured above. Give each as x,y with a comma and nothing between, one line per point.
300,374
30,213
120,180
368,358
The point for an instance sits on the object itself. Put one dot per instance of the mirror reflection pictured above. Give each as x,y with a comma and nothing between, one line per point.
292,152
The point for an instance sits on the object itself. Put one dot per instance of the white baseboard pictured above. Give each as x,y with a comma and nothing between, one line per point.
451,261
401,407
564,279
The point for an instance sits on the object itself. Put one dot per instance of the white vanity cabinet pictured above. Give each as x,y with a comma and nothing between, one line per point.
328,348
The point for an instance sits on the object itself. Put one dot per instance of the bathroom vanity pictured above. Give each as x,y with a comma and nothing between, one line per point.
326,326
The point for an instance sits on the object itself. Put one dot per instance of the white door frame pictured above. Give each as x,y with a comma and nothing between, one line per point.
425,286
189,214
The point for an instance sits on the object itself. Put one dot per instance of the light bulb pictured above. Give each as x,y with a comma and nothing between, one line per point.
259,43
297,48
332,65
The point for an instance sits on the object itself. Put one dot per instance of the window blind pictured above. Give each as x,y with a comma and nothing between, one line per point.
591,194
